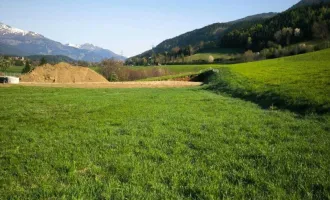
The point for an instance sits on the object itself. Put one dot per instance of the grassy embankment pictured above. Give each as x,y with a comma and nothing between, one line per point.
301,83
297,82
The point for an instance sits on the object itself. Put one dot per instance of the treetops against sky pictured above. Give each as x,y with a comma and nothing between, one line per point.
128,26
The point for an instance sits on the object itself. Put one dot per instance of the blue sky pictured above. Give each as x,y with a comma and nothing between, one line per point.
131,27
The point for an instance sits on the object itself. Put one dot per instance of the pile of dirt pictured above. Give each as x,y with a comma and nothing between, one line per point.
62,73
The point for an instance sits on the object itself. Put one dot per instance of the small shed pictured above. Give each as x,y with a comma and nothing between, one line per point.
13,80
9,79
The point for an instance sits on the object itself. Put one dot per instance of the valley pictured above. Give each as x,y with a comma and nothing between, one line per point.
234,110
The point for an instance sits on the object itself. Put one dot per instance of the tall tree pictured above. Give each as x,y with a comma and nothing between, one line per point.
320,30
27,67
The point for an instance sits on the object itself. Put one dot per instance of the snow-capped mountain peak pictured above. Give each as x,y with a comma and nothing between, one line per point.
89,46
5,29
18,42
73,45
86,46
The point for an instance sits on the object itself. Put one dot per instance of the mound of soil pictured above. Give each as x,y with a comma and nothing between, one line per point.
62,73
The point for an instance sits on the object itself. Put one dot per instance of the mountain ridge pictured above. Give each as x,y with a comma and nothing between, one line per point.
30,43
308,3
220,30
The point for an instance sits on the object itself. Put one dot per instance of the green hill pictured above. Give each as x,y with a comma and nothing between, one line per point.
206,37
289,27
308,20
298,82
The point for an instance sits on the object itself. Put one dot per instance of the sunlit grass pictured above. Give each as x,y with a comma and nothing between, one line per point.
298,81
58,143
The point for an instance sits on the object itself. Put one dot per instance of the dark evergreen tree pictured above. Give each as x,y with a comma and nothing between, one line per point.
43,61
27,67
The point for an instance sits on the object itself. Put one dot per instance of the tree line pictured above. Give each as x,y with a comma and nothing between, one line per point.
290,27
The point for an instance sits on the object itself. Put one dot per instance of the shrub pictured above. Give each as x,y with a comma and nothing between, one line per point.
110,67
284,52
18,63
113,77
248,56
4,64
116,71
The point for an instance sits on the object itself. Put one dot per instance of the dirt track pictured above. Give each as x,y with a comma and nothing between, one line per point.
145,84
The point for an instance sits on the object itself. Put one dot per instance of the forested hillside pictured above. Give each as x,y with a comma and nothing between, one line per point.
309,2
203,38
295,25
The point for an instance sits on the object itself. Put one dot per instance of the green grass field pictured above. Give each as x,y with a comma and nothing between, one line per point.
297,82
156,144
183,143
301,81
15,69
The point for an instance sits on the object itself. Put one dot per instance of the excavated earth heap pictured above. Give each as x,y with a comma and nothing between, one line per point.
62,73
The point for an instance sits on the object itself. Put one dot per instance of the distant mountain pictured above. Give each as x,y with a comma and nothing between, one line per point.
207,36
15,41
308,3
10,50
104,53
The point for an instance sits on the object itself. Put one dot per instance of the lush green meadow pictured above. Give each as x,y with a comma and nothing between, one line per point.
299,82
188,143
183,143
15,69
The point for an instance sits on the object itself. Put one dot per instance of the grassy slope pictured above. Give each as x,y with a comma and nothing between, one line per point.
224,53
205,56
183,69
156,144
15,69
302,80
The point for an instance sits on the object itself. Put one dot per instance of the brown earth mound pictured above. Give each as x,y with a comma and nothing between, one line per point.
62,73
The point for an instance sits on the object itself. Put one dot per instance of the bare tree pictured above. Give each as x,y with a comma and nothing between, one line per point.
287,34
211,59
110,69
297,32
248,56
